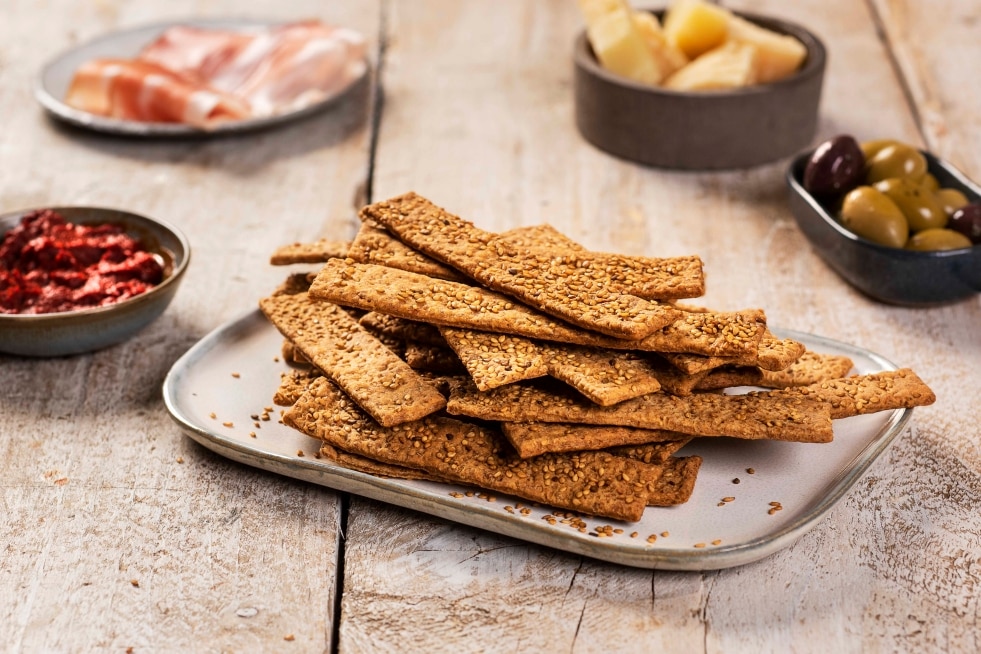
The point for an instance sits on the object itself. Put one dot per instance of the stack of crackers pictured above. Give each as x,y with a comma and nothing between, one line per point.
522,363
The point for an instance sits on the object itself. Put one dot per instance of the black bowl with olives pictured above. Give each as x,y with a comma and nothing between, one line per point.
899,224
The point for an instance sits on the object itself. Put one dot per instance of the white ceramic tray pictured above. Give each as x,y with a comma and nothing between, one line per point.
56,76
233,372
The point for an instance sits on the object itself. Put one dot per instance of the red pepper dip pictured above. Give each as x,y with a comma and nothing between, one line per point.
48,265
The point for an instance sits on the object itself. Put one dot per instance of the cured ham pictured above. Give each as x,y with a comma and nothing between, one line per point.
138,90
202,76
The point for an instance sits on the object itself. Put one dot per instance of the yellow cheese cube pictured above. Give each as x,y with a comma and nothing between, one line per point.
667,57
616,42
729,66
777,55
695,27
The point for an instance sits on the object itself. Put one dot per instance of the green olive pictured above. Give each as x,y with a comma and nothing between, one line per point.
938,239
951,199
921,208
871,148
870,214
897,160
930,183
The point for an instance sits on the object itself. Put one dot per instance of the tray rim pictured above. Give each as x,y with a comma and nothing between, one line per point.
492,519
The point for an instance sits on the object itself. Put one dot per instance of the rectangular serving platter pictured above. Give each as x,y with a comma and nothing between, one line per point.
218,387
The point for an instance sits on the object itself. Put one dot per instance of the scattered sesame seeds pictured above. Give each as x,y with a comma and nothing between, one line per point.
652,538
228,423
180,459
252,434
736,480
717,541
236,375
751,471
729,499
212,415
135,583
289,638
299,452
665,534
699,545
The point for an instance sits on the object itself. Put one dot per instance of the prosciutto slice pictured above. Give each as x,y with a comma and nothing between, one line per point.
139,90
201,76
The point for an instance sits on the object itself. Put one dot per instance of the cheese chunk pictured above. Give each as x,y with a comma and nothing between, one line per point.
615,40
667,57
695,27
777,55
729,66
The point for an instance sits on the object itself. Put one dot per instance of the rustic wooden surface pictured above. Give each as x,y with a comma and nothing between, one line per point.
117,532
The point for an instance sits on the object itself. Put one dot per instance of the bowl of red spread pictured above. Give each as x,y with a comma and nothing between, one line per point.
78,279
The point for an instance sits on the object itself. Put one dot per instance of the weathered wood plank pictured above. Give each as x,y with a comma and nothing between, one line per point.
512,157
115,530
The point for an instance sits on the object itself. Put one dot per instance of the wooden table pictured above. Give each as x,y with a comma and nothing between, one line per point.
117,533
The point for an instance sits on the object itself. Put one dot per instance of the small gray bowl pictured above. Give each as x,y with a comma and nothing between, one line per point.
890,275
709,130
86,330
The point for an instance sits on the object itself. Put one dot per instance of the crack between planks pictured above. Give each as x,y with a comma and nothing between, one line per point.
379,104
887,40
375,127
582,612
335,623
703,612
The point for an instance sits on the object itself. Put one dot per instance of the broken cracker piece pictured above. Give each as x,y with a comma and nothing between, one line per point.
676,483
402,329
538,237
292,384
651,452
370,466
810,368
374,245
432,358
315,252
772,353
605,377
494,360
533,438
752,416
730,377
862,394
381,383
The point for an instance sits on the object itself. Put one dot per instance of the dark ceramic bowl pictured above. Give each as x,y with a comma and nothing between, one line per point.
85,330
707,130
891,275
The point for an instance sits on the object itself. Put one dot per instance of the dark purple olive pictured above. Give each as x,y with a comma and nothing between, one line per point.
836,167
967,221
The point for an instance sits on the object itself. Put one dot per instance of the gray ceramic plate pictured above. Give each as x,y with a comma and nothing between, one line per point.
52,84
233,372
